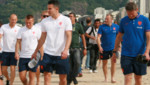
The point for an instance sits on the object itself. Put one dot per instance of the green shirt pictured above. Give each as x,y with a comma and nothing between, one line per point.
76,32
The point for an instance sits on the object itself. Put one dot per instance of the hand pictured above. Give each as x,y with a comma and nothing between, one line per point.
16,56
41,58
101,50
114,57
34,55
84,52
64,54
94,38
147,56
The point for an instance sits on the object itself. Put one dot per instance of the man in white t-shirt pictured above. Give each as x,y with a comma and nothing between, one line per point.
91,33
28,37
9,33
58,30
1,76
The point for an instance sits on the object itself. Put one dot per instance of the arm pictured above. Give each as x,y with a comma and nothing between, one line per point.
84,44
87,35
147,46
42,52
99,43
17,47
40,43
117,43
64,54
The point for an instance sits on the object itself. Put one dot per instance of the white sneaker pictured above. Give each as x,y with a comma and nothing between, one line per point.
95,71
90,71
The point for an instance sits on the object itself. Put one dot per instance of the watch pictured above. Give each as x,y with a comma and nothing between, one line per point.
1,77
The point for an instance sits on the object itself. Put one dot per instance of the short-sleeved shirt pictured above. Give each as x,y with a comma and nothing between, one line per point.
108,36
9,37
29,40
93,35
77,30
56,34
134,38
1,44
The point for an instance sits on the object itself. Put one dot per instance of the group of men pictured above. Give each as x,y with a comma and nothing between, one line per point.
59,36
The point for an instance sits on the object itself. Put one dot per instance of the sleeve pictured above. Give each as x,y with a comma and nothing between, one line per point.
100,29
89,30
19,34
68,26
81,31
43,28
1,30
147,25
121,27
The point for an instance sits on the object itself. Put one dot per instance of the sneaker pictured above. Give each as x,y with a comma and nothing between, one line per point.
90,71
95,71
75,81
7,82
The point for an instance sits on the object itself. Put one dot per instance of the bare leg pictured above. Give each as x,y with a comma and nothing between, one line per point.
138,80
12,75
23,78
63,79
5,72
47,78
38,75
113,69
31,78
105,69
128,79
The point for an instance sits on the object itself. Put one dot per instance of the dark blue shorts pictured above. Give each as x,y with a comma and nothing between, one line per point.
0,56
23,65
8,59
106,55
130,65
55,63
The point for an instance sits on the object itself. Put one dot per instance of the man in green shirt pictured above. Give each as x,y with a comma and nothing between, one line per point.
75,59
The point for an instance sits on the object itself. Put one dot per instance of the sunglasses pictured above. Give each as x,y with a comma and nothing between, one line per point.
45,16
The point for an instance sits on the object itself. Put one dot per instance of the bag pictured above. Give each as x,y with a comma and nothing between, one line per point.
89,45
141,59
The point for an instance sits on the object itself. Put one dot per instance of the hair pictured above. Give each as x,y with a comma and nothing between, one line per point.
45,11
73,14
131,6
88,20
54,2
96,20
29,17
110,15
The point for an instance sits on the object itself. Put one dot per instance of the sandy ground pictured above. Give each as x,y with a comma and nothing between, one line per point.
93,78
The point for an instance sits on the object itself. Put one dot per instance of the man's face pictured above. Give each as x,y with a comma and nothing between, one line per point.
29,23
97,24
72,17
108,19
13,20
44,15
132,14
52,10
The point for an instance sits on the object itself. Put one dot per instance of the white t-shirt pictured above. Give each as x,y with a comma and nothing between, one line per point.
95,32
56,38
9,37
29,40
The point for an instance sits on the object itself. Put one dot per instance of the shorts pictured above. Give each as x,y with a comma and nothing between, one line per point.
0,56
8,59
55,63
106,55
23,65
130,65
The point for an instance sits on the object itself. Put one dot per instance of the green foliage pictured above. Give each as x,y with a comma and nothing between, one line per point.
24,7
